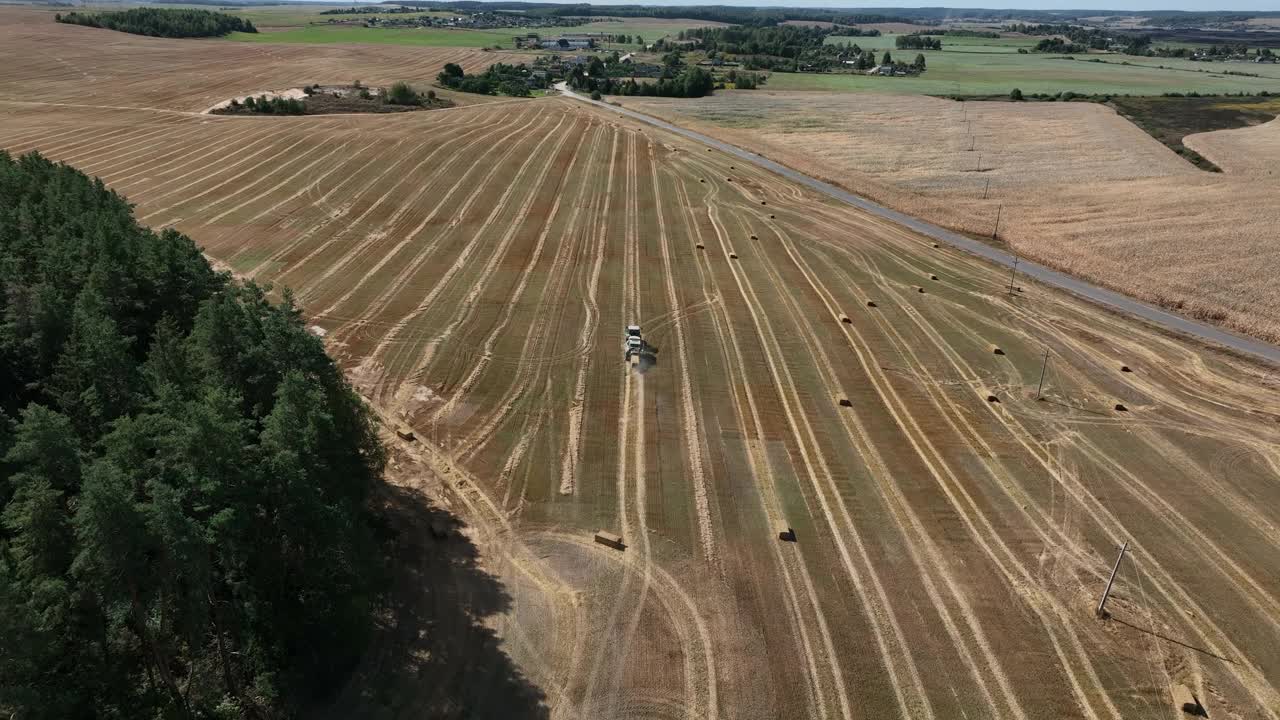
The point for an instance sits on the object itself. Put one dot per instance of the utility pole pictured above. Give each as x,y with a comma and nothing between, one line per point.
1043,367
996,231
979,163
1013,272
1102,605
985,189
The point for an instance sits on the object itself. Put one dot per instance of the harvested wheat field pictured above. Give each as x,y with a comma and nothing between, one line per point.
474,269
50,63
1082,189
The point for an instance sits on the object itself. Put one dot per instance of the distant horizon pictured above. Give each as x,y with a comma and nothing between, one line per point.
1050,5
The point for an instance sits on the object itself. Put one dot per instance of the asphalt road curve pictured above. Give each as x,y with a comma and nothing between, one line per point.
1102,296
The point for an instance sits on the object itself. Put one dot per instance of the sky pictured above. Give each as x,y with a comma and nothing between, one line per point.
1202,5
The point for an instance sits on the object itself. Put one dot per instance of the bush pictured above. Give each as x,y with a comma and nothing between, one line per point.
1015,95
595,95
401,93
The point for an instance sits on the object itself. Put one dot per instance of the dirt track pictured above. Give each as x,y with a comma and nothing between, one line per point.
474,268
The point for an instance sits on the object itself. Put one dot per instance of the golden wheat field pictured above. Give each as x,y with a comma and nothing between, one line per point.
1075,186
806,368
1252,151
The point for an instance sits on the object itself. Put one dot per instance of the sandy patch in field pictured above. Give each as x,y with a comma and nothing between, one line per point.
1244,151
1076,186
290,94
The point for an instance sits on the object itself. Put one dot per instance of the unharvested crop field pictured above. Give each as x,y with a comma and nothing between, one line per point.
473,270
1081,188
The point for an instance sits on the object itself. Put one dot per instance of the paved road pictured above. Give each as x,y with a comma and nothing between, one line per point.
1046,275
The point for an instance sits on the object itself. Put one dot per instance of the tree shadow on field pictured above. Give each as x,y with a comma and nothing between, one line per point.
431,655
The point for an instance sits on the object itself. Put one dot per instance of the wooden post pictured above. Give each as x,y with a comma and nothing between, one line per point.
1043,367
1013,272
985,189
996,231
1102,604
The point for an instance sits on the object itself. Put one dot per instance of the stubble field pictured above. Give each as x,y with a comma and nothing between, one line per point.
473,270
1075,186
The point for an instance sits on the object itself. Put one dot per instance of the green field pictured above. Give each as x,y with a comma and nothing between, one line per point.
647,28
972,72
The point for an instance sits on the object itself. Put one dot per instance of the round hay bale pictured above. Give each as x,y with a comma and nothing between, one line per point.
918,288
732,167
1125,368
702,180
753,237
728,179
995,350
846,319
700,246
733,256
771,216
933,277
936,245
871,303
844,402
1121,408
992,398
763,202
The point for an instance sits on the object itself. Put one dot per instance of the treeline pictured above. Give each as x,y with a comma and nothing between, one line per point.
917,42
710,13
497,79
691,82
162,22
787,48
1058,45
185,528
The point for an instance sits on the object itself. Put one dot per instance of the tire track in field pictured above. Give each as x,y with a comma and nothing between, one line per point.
204,173
400,280
895,502
1117,532
190,198
1149,496
309,187
403,350
30,137
329,214
93,158
571,457
68,149
203,150
89,140
815,468
771,503
1026,585
318,150
692,429
312,255
556,285
1262,691
131,162
630,463
364,246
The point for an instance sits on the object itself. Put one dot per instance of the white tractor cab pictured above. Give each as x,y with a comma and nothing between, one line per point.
632,345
